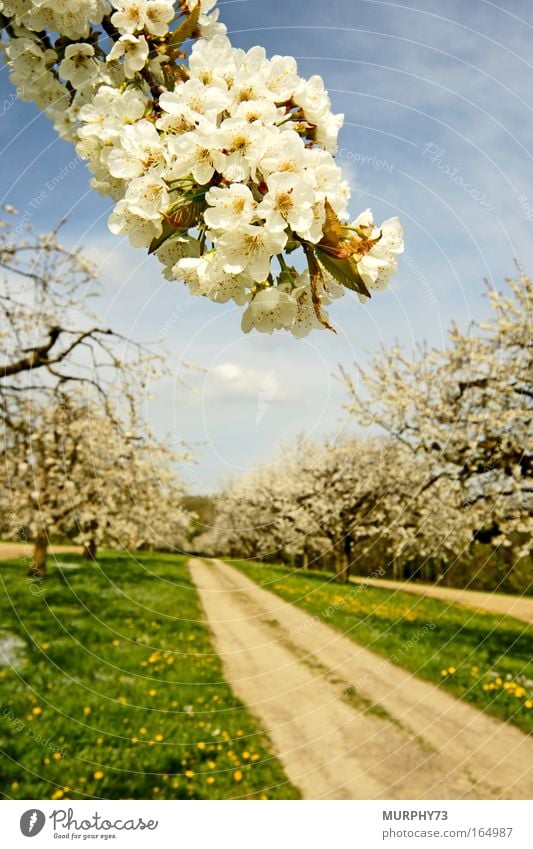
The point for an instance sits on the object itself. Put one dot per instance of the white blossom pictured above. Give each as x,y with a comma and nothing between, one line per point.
231,208
79,65
250,249
140,150
136,15
196,153
134,51
381,261
270,309
140,229
289,201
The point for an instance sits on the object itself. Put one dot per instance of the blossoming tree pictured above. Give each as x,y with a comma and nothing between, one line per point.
71,469
329,503
75,459
469,411
50,337
219,162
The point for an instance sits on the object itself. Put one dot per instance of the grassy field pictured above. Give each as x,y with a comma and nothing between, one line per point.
484,658
116,692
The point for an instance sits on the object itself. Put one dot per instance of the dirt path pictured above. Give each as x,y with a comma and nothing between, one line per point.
521,607
10,550
346,723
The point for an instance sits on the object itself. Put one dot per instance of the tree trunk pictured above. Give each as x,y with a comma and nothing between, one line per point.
89,550
38,562
397,569
345,561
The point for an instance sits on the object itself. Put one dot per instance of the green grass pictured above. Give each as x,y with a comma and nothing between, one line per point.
119,693
485,659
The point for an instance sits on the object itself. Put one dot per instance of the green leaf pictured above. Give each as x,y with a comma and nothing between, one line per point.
186,28
187,213
344,271
168,231
333,230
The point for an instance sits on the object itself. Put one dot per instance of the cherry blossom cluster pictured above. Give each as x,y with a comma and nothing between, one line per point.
220,162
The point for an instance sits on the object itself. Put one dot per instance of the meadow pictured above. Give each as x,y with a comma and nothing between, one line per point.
485,659
115,690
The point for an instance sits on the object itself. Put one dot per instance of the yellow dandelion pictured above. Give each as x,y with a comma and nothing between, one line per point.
134,740
245,756
255,757
87,710
451,669
444,672
188,773
98,774
210,779
37,711
45,646
211,764
116,642
152,692
57,756
529,703
99,741
142,730
159,738
58,794
200,746
237,775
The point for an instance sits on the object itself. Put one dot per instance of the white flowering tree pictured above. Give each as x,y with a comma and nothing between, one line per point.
75,459
468,410
332,503
258,515
70,469
50,337
220,162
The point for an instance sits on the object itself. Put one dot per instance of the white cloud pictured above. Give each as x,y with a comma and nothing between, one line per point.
244,382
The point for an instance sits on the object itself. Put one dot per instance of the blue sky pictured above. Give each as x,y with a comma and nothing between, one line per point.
438,99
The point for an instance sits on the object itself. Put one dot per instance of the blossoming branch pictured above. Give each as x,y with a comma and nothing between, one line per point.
220,162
